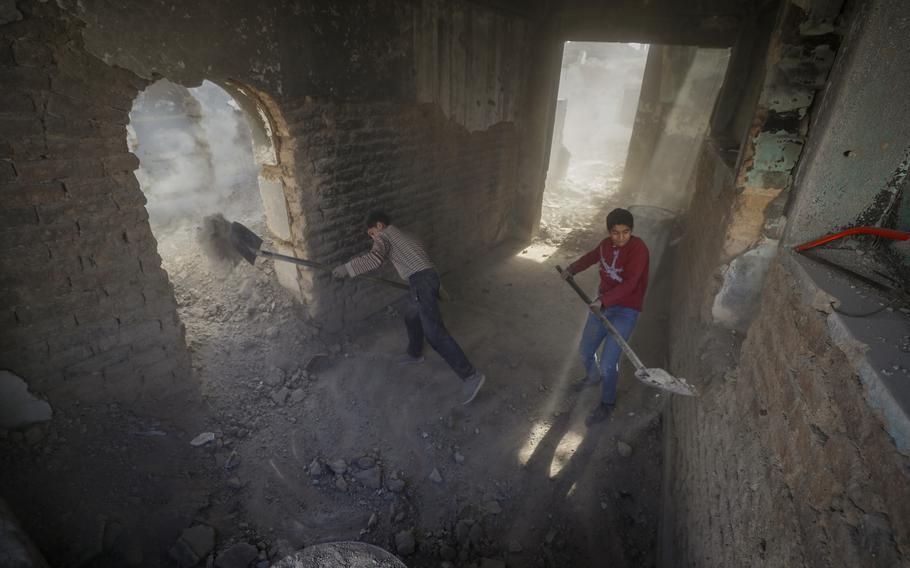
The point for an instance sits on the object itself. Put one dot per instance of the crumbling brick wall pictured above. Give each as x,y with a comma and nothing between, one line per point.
87,311
780,461
454,189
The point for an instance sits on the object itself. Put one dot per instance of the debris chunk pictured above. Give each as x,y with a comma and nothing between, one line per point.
202,439
194,544
298,395
371,478
394,484
338,466
238,556
624,449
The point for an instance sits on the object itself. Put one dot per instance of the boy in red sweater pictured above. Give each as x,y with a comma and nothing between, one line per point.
623,263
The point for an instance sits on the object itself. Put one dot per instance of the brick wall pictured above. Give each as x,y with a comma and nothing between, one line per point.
780,461
453,188
87,310
85,307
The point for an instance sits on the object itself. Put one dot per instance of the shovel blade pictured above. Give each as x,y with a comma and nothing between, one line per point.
245,242
660,379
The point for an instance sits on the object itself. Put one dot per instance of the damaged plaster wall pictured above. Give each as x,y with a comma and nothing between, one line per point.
799,56
781,460
861,132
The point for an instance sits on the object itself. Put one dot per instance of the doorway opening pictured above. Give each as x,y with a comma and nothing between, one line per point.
599,88
212,150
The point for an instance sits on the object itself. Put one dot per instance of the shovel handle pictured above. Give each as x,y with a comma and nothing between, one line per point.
639,366
320,266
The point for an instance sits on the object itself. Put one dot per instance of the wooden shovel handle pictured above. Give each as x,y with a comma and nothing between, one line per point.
594,310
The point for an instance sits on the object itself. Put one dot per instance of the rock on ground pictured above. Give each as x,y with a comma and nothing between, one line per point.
338,467
624,449
371,478
194,544
238,556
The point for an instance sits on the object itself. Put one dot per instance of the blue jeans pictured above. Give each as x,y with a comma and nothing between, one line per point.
424,320
607,365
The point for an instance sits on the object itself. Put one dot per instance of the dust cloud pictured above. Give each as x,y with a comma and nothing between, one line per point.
214,238
598,97
195,154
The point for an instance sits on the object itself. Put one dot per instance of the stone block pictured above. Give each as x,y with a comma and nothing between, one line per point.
163,367
13,101
118,98
24,78
70,127
7,172
20,126
16,216
28,148
126,162
70,356
26,195
50,170
32,53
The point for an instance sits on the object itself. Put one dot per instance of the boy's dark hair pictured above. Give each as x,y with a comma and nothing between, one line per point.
620,217
377,217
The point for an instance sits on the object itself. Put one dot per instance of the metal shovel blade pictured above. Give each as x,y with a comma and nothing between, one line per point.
658,378
245,242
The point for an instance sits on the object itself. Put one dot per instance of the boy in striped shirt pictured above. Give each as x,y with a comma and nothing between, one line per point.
423,318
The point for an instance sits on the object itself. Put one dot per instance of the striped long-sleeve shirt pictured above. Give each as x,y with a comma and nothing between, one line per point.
406,253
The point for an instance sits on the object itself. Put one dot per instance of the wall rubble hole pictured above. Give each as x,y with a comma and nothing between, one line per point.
202,154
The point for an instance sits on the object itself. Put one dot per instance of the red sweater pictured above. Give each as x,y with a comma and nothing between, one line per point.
623,272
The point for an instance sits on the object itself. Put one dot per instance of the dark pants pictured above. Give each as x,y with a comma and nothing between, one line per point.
424,320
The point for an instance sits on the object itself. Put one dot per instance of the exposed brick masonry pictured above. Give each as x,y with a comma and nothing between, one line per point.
780,461
454,189
85,305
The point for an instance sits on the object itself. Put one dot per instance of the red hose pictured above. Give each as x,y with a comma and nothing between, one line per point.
886,233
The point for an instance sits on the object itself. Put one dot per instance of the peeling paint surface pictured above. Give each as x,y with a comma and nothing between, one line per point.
862,127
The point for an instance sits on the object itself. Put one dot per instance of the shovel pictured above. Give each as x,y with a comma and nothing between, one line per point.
657,378
249,245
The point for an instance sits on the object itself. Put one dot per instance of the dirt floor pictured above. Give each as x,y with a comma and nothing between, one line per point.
320,437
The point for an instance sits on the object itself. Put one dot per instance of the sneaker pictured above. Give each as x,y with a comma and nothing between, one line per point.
601,414
585,382
471,386
406,359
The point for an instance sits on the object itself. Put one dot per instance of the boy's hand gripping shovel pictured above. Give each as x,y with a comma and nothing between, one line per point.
657,378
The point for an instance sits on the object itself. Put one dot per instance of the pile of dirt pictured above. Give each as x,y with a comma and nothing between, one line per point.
572,207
